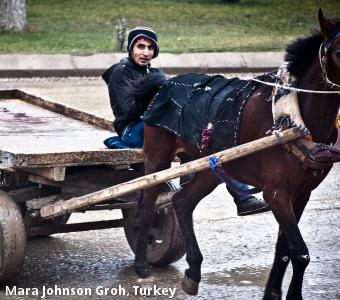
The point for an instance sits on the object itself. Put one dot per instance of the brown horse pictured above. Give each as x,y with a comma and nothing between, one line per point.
267,170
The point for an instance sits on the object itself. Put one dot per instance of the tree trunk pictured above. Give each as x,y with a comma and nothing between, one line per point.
12,15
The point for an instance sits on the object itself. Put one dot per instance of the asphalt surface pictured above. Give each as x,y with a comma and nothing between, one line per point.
238,251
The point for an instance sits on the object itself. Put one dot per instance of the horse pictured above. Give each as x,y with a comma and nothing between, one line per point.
315,62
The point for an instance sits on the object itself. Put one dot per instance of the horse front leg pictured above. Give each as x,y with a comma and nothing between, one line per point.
273,289
184,203
282,254
288,217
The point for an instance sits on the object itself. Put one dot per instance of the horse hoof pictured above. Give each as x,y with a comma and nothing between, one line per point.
146,283
189,286
142,271
272,296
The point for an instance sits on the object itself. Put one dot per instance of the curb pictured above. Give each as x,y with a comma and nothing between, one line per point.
61,65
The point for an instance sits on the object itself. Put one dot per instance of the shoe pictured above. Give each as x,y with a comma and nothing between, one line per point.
252,206
114,142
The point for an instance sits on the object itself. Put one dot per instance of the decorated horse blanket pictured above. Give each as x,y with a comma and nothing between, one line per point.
204,110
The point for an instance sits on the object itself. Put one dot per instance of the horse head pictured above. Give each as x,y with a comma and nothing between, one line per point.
330,50
315,62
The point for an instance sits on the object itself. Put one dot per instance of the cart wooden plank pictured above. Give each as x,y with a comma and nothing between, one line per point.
32,136
53,173
57,107
149,180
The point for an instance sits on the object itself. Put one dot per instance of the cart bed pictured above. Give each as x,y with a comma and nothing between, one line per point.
35,132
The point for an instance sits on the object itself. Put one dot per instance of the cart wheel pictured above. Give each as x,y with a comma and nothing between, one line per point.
12,238
166,243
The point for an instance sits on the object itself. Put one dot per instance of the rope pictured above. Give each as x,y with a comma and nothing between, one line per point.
323,69
286,87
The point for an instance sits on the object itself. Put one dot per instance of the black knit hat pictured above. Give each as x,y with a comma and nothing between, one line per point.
145,32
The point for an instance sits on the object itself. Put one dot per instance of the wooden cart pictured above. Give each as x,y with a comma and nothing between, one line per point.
49,152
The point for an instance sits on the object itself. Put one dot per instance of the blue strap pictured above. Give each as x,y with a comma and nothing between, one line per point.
216,167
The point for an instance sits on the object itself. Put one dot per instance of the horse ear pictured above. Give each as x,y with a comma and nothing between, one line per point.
326,25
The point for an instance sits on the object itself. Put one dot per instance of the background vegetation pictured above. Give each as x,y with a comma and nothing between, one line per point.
88,26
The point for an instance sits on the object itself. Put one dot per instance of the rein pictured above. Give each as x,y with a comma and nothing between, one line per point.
322,58
290,88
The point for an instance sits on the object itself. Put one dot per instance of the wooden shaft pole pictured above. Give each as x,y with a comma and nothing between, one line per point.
146,181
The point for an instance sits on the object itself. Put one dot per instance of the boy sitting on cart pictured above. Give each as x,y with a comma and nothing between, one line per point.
127,107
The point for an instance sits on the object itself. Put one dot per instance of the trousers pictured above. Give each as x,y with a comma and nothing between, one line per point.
132,137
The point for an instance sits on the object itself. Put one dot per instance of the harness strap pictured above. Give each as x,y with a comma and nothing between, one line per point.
320,156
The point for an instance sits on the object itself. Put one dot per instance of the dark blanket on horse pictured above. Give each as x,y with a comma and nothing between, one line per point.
186,104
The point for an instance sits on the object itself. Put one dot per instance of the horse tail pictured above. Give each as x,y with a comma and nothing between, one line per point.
147,87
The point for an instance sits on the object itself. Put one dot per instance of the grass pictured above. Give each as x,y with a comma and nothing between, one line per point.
88,26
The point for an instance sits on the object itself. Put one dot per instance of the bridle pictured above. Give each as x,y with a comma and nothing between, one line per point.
325,45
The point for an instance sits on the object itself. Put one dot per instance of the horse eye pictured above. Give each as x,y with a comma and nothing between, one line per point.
337,54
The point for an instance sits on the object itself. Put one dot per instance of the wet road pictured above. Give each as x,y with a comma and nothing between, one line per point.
238,251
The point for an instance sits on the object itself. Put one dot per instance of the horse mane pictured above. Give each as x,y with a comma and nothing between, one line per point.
301,52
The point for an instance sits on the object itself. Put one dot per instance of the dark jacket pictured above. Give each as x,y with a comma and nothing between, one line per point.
120,79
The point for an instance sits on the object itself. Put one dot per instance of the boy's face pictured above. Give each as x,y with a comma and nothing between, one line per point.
142,52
